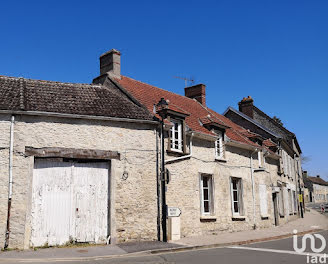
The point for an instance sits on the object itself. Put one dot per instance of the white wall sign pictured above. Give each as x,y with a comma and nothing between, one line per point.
173,212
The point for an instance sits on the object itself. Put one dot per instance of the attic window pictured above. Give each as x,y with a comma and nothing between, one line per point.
219,151
176,135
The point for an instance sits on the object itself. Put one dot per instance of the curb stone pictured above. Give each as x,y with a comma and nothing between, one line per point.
244,242
159,251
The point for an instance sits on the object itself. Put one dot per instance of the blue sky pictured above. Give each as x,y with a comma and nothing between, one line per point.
275,51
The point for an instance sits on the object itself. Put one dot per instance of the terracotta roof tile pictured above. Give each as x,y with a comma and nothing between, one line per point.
269,143
150,95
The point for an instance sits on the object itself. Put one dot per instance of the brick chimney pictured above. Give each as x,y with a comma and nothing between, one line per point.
196,92
110,62
246,106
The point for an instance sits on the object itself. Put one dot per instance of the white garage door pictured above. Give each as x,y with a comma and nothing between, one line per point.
69,202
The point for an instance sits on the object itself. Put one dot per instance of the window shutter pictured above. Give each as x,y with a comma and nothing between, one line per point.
224,147
240,198
184,139
263,200
231,196
212,195
169,136
281,202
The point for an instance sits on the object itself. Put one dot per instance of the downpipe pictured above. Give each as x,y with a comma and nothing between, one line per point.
253,188
10,187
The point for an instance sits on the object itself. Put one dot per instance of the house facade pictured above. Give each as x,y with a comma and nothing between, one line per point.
78,163
219,176
288,181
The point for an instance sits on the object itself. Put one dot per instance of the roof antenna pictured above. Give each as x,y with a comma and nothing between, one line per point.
191,80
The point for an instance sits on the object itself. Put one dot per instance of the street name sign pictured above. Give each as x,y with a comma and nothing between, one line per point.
173,212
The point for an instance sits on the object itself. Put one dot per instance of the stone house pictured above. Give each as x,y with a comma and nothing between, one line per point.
78,162
267,131
316,190
220,178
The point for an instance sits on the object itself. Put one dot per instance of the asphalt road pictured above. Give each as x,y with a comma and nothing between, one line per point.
278,251
317,207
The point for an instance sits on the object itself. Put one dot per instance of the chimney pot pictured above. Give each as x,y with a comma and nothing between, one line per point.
246,106
197,92
110,63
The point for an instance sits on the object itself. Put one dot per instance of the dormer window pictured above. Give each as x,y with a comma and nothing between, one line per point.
176,135
219,151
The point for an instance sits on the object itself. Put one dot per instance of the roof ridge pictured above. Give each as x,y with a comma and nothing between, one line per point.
159,88
48,81
251,120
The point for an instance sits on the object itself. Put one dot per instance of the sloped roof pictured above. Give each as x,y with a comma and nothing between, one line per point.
250,120
269,143
150,95
317,180
68,98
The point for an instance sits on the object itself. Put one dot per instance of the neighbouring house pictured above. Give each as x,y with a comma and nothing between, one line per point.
316,190
78,163
221,178
268,132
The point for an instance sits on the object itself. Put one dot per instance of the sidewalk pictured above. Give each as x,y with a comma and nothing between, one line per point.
312,221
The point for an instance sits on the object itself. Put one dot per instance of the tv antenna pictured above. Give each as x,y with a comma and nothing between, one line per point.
191,80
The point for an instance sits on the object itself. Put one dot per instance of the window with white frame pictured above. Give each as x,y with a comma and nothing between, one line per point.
206,188
176,135
236,196
219,151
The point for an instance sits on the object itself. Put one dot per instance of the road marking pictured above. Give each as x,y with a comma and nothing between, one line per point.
280,251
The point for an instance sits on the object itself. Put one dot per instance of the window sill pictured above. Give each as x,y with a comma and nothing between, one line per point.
208,218
238,218
176,152
259,169
220,160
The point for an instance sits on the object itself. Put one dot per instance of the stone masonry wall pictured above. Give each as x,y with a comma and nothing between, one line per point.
133,200
184,189
4,173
